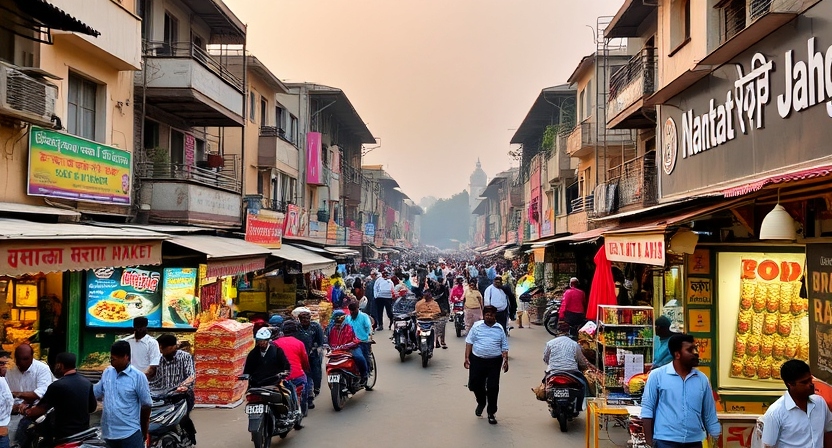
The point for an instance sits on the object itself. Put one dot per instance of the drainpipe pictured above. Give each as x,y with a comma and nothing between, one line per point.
245,121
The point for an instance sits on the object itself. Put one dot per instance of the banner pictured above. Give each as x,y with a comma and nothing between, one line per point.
291,226
68,167
636,248
265,228
116,296
314,163
34,256
819,274
180,306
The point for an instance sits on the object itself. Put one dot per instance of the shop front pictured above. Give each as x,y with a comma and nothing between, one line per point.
41,279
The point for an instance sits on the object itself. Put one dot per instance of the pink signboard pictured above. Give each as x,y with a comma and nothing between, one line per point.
190,149
314,163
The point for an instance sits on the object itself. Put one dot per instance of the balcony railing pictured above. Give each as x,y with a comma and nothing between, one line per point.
583,138
191,51
275,205
632,81
179,171
636,179
582,204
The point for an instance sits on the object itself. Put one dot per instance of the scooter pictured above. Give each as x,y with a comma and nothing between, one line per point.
459,318
551,316
90,438
344,378
272,411
166,413
426,336
404,327
564,395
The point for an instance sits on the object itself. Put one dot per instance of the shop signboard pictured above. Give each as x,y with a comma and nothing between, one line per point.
370,229
354,238
67,167
314,162
761,311
180,305
52,256
763,113
819,276
291,226
115,296
646,248
699,291
265,228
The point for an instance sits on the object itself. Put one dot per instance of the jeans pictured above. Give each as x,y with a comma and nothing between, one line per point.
365,350
304,392
4,441
484,380
21,436
358,356
316,362
502,319
665,444
187,424
134,441
382,304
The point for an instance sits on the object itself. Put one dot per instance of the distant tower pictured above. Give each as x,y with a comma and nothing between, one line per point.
476,185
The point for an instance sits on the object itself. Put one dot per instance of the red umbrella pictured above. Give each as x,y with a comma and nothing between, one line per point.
603,287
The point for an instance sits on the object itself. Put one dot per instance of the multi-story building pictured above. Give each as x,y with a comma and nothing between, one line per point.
186,96
545,168
497,213
391,219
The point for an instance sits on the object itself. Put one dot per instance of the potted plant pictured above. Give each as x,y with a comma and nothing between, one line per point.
160,157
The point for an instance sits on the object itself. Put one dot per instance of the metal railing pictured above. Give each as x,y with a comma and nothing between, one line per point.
759,8
733,19
179,171
274,131
584,135
155,49
582,204
275,205
636,179
641,67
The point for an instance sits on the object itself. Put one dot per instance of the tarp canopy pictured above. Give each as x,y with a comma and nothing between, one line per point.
310,261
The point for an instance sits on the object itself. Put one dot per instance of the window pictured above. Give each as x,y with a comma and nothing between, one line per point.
263,111
588,108
143,10
151,134
581,104
732,17
81,110
278,118
679,23
252,106
171,34
293,130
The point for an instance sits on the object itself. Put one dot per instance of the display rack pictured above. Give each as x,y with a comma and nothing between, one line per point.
629,328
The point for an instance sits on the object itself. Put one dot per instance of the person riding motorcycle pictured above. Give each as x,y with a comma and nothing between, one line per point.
564,355
428,310
265,362
342,337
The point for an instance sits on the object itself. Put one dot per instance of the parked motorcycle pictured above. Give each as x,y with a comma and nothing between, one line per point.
550,317
166,414
425,334
90,438
404,326
272,411
459,318
564,395
344,378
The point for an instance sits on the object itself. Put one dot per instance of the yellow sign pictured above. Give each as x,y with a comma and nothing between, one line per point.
704,347
699,262
745,407
700,291
699,321
252,301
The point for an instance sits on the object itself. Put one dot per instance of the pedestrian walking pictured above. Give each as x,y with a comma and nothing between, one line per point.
486,351
798,419
126,395
473,305
678,406
383,292
496,296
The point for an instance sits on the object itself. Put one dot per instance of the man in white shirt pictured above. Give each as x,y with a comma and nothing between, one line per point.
383,292
6,403
496,297
144,350
28,381
798,419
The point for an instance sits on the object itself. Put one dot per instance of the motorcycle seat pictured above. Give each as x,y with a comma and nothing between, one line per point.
83,435
158,410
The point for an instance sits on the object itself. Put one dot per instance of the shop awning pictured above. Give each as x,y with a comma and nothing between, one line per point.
584,237
225,256
309,261
810,173
497,250
342,251
657,225
50,16
31,247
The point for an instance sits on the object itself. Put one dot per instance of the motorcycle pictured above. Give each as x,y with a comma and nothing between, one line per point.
272,411
551,316
426,337
459,318
89,438
344,378
404,327
564,393
166,413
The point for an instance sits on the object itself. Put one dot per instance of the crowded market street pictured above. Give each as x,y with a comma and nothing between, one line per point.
413,407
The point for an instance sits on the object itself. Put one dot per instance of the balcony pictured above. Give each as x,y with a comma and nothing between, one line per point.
185,81
558,163
583,139
119,45
629,87
636,181
275,205
275,151
181,194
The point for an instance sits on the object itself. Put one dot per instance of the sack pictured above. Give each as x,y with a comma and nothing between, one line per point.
540,392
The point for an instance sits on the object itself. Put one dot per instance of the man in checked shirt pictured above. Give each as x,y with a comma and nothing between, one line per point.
176,371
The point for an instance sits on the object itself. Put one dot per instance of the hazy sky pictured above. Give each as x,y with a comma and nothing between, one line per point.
441,82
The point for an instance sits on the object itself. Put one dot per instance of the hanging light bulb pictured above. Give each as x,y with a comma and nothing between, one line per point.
778,224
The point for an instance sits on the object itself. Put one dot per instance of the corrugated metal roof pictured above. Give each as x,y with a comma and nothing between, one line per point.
309,260
219,247
18,229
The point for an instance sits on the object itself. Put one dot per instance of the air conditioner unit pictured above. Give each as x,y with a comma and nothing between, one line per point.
26,98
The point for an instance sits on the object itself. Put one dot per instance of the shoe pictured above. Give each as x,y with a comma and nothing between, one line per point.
522,326
478,411
492,420
444,346
317,392
310,406
298,426
379,329
437,345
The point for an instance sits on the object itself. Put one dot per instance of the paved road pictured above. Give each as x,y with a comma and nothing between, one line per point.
419,408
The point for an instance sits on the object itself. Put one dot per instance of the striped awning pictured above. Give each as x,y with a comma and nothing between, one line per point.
810,173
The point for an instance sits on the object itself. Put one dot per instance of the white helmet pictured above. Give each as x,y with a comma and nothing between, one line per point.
263,333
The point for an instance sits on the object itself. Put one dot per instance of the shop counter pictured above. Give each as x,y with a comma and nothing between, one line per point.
596,409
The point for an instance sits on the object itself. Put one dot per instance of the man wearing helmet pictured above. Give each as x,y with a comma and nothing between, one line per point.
265,361
342,337
312,336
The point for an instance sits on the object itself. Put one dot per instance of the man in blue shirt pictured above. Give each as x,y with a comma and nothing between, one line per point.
486,350
126,394
678,406
362,327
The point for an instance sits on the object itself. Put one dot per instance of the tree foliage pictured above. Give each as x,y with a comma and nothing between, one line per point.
448,219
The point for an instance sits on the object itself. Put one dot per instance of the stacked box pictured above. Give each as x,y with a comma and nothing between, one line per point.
221,350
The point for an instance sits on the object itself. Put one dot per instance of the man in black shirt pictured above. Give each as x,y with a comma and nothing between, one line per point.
71,396
265,361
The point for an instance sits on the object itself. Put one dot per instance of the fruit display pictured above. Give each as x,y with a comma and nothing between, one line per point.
772,324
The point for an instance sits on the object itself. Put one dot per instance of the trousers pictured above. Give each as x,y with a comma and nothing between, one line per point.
471,315
382,304
666,444
133,441
484,381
